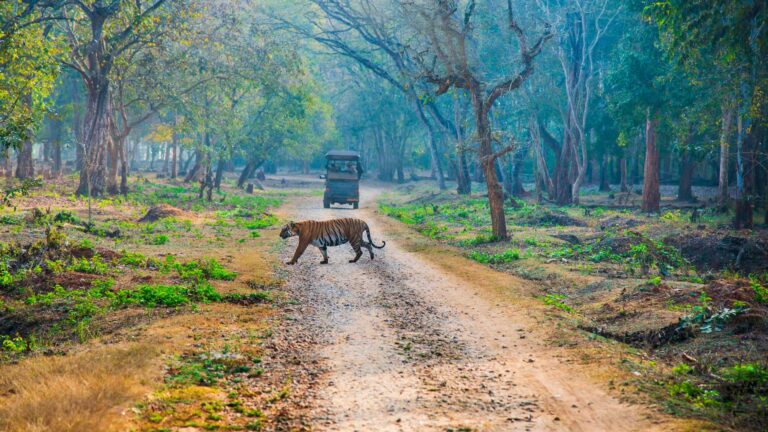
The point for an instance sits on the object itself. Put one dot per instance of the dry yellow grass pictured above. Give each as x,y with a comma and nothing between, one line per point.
87,391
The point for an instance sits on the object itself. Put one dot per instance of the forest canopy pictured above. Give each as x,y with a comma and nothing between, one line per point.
543,96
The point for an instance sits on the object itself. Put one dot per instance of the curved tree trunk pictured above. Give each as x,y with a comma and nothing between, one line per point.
651,193
488,164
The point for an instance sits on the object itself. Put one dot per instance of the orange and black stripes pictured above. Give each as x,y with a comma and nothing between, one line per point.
336,232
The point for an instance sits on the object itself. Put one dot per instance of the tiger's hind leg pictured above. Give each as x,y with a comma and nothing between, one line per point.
369,247
355,243
324,251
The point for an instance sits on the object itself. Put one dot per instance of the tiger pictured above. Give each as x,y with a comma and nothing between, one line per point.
335,232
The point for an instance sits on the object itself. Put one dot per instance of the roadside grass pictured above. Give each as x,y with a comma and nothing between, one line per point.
76,392
141,290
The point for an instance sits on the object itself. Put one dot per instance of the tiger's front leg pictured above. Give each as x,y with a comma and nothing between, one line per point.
324,251
300,248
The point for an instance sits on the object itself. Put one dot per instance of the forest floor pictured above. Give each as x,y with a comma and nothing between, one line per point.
191,322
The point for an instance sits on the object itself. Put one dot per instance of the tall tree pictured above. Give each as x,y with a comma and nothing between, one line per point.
448,61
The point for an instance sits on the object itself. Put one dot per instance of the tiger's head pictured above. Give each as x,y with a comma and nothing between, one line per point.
289,230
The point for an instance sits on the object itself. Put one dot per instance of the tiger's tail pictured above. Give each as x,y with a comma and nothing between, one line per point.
370,240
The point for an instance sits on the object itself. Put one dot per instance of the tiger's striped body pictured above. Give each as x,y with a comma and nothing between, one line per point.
335,232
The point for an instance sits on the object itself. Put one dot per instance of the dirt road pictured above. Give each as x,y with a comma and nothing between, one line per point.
408,346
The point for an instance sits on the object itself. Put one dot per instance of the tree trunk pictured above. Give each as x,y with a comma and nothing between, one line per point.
651,193
725,136
248,171
562,182
25,166
464,178
174,148
219,173
685,185
623,169
97,133
488,163
605,184
56,136
197,169
7,164
166,158
124,166
433,149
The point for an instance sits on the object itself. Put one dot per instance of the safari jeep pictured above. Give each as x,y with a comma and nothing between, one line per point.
342,178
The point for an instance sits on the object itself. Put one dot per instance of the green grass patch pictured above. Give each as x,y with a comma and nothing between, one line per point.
505,257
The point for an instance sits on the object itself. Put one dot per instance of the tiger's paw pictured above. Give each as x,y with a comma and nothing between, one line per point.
324,262
290,262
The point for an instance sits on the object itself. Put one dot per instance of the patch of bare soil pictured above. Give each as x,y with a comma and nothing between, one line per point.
714,251
162,211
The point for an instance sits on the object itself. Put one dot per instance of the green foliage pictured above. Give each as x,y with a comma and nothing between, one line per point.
17,344
66,216
133,259
706,319
750,375
159,240
505,257
198,270
761,292
166,295
479,239
556,300
94,265
30,65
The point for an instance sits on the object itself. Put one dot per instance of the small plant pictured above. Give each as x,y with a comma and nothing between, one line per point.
761,292
17,344
673,216
556,300
159,240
